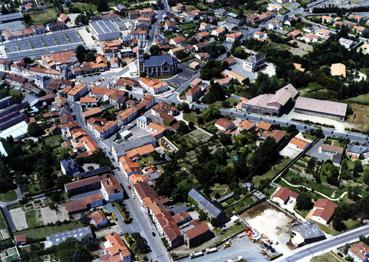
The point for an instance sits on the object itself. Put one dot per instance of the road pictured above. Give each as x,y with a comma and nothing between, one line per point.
353,136
140,218
326,245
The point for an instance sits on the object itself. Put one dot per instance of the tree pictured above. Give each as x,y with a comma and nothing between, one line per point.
304,202
239,52
139,245
310,166
4,11
35,130
102,6
366,177
80,53
71,250
82,20
211,69
155,50
210,113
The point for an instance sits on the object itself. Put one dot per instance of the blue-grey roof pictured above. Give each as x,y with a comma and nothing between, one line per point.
60,237
12,26
158,60
205,204
104,27
37,45
234,21
308,230
6,101
70,165
10,17
357,149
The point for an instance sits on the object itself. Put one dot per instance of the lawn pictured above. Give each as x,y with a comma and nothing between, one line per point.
3,224
220,190
327,257
42,17
84,7
233,230
43,232
238,207
31,217
299,180
327,229
9,196
33,188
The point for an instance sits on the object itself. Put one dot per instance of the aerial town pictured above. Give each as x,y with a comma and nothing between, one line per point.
182,130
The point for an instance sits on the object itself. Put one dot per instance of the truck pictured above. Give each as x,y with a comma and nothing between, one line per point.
196,254
211,250
239,258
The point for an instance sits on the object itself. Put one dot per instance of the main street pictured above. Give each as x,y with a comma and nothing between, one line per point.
305,253
140,218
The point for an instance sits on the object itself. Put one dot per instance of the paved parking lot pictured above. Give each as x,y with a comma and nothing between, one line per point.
240,247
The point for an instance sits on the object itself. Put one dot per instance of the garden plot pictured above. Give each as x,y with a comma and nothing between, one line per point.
278,224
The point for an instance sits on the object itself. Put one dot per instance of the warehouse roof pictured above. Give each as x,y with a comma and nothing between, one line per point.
321,106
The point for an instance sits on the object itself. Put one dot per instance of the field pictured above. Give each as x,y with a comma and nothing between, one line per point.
9,196
43,16
327,257
84,7
360,116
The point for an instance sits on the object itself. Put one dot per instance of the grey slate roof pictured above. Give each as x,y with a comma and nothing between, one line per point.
158,60
10,17
308,230
357,149
204,203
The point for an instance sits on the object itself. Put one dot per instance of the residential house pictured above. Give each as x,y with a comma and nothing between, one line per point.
115,249
223,125
194,93
198,234
359,252
98,219
322,211
254,62
111,189
284,196
154,86
334,153
354,151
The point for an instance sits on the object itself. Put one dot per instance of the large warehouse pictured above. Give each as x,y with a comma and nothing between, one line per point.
322,108
35,46
104,30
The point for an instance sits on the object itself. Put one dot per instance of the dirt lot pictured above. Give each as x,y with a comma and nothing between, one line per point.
272,223
360,116
50,216
19,218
